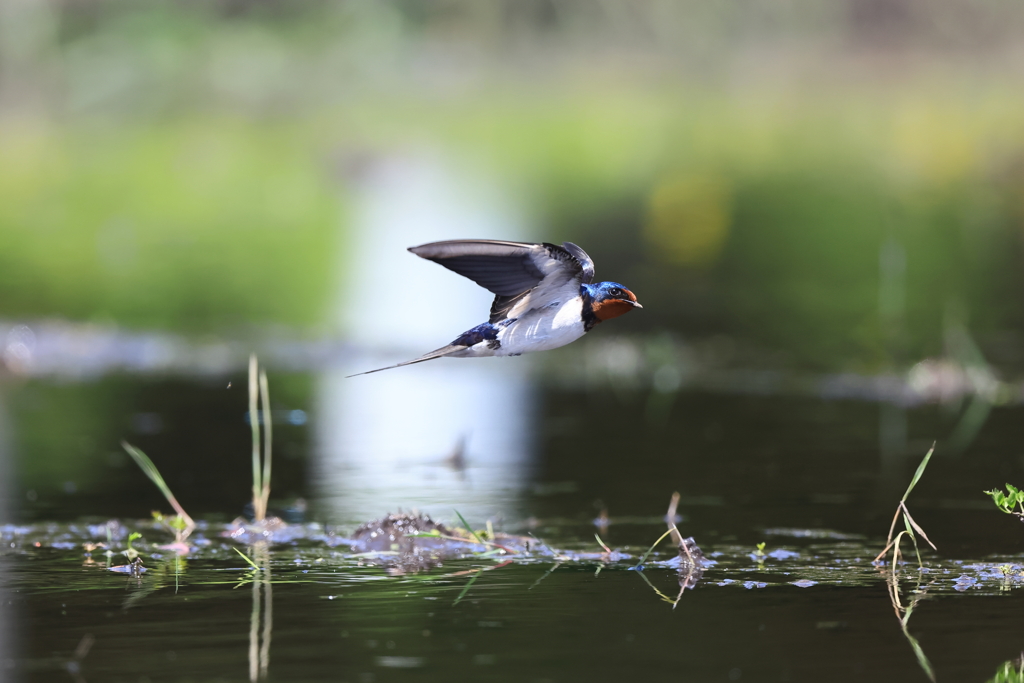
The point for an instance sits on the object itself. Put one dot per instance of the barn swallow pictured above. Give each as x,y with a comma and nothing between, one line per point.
544,296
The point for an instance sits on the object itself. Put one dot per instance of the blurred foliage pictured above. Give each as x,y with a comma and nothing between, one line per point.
185,165
195,224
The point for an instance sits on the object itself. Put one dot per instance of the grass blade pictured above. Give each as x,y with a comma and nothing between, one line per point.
919,472
917,528
544,576
150,470
660,594
468,528
246,558
651,549
267,440
254,425
466,588
922,658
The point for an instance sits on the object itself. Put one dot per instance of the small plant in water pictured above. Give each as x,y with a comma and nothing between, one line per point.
182,524
1010,672
259,392
1010,501
908,522
131,553
760,549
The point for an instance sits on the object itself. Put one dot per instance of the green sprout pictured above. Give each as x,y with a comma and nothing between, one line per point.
131,553
1009,501
760,549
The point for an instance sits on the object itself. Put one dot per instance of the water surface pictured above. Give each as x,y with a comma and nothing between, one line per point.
803,475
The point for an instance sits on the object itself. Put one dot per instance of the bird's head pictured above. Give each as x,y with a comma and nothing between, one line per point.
610,300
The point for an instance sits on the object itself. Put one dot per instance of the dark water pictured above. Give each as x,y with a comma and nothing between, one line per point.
349,623
812,479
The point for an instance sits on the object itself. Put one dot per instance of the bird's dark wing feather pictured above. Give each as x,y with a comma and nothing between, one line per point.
586,263
509,269
505,268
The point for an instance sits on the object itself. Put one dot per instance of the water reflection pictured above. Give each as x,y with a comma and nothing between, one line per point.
450,433
903,614
262,615
7,617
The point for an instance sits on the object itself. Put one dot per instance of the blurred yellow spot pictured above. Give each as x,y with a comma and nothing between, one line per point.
937,145
688,219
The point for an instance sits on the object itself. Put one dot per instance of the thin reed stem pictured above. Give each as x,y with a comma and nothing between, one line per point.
254,424
267,439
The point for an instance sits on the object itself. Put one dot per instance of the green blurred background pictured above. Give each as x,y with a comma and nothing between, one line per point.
832,183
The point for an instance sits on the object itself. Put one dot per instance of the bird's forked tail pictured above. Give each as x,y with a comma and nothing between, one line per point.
438,353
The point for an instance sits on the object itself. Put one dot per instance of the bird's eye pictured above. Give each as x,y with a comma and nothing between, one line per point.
615,291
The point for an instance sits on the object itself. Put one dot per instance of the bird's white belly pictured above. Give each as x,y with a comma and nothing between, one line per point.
542,329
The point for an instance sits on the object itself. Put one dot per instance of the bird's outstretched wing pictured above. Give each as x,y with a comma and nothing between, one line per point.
522,275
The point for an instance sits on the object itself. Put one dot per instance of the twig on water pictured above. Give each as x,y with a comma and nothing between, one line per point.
690,568
677,537
672,531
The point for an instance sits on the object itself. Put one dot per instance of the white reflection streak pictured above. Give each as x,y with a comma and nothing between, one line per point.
262,613
383,439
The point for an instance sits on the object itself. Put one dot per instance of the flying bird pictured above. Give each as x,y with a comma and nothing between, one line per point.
544,296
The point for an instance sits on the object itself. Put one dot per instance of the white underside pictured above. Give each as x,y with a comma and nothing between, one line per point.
541,329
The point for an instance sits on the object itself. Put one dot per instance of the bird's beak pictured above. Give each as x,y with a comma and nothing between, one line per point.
636,304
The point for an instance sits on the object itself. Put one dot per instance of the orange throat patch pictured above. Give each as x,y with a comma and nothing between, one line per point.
611,308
